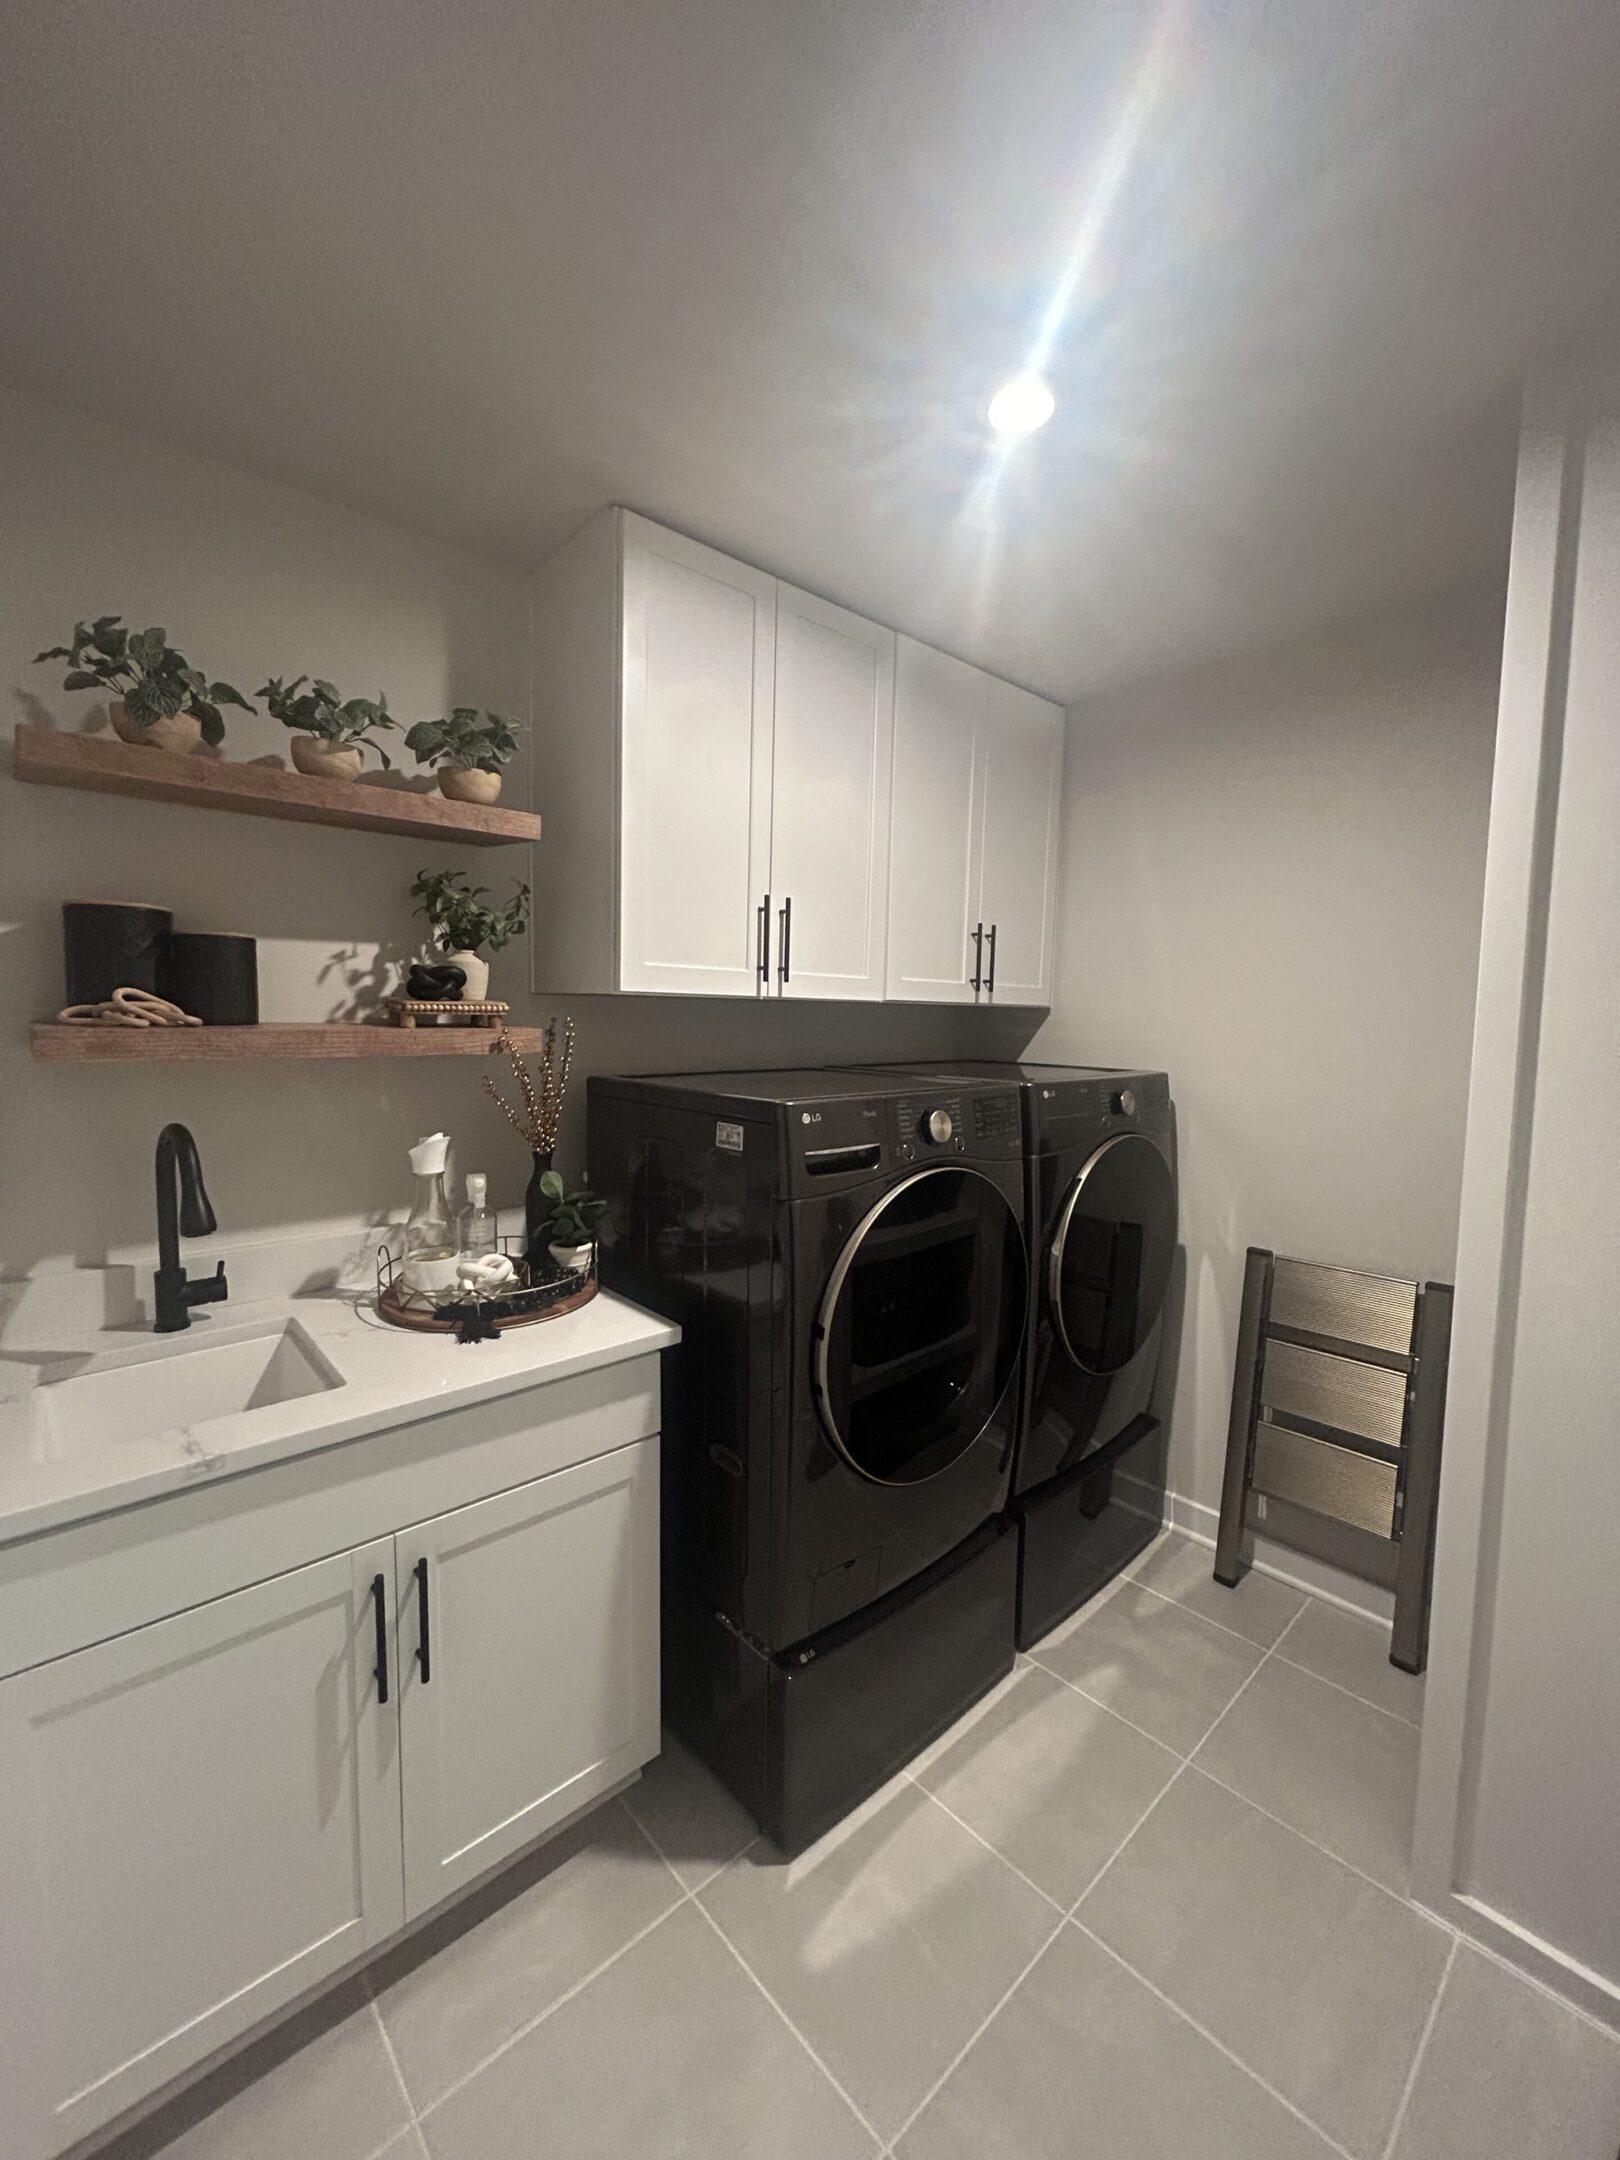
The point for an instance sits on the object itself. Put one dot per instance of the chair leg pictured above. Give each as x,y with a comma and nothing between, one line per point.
1230,1565
1414,1575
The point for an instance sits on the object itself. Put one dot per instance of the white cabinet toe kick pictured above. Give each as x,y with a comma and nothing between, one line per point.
250,1732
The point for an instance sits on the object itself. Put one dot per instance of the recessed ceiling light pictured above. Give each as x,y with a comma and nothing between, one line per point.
1022,404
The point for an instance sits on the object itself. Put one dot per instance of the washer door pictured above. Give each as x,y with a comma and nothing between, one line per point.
1110,1260
920,1329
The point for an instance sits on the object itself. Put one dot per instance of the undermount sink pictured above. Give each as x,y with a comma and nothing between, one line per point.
191,1384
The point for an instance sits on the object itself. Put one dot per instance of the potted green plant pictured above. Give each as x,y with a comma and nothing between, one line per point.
570,1227
333,732
463,924
469,748
159,700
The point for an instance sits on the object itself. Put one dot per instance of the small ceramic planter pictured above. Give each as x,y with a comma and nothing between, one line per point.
173,731
468,783
574,1258
476,969
320,759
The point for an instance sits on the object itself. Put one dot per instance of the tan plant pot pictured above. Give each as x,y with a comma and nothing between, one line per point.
468,783
174,731
323,760
476,968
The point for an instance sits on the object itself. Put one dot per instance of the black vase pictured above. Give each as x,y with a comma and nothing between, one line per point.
536,1210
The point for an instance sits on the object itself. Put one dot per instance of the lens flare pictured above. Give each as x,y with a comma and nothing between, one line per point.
1021,405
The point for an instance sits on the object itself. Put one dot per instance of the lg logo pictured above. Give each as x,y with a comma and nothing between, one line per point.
810,1117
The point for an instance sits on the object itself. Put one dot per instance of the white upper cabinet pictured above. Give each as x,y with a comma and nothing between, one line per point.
973,866
937,827
695,817
834,731
712,753
749,792
1023,773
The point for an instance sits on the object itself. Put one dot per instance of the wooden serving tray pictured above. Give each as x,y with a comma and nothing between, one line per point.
477,1012
398,1314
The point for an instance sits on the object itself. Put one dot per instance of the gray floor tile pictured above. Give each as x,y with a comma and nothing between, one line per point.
1355,1654
1335,1769
688,1814
885,1944
672,2053
1259,1607
1303,1969
1084,2060
1510,2071
1155,1663
320,2086
454,1993
1050,1779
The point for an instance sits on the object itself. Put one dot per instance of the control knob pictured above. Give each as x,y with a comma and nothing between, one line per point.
1124,1103
938,1125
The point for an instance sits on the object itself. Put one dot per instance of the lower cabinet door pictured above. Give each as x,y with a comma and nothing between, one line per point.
528,1629
198,1821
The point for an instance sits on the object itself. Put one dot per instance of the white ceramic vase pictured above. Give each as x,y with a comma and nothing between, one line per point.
575,1258
171,731
467,783
320,759
476,969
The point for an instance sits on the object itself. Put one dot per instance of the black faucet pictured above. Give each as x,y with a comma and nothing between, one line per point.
174,1293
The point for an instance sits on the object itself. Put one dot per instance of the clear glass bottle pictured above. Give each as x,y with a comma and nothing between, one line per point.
430,1237
478,1233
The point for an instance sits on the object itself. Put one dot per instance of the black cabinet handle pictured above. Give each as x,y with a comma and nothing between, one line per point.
379,1597
978,955
763,930
423,1639
785,965
990,979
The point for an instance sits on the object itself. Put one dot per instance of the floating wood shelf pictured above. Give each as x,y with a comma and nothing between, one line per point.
63,1045
110,767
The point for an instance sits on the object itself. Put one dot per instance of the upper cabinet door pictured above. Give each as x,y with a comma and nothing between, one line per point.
1023,771
695,773
936,826
834,744
201,1822
528,1632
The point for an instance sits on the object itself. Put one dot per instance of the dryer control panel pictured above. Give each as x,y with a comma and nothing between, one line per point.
929,1125
984,1122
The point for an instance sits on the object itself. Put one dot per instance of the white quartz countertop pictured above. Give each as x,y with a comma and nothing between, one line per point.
388,1376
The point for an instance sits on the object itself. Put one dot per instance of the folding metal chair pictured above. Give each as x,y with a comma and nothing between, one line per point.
1338,1400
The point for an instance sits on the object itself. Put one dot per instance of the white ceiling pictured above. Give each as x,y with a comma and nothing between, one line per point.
751,266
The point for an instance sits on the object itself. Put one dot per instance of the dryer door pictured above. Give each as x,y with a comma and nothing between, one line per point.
921,1326
1109,1263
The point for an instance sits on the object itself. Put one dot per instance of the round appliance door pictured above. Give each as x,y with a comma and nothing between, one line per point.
921,1326
1110,1259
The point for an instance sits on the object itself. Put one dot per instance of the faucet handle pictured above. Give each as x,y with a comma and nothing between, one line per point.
213,1289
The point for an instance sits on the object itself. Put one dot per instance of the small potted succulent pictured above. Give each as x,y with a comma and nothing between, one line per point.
159,700
333,733
469,749
462,924
571,1226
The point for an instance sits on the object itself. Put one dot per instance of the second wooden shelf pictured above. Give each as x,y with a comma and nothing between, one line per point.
59,1044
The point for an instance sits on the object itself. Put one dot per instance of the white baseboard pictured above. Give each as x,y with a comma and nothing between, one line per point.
1299,1570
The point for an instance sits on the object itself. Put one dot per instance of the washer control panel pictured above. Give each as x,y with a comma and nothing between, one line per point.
929,1126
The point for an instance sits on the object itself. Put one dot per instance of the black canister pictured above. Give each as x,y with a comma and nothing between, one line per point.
110,945
213,974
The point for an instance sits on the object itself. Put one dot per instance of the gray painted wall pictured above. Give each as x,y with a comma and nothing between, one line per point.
1272,871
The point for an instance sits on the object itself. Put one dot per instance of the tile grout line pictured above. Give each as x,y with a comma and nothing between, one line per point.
687,1897
858,2113
393,2059
1204,2033
1097,1703
1309,1599
1327,1852
979,1837
1422,2049
983,2026
1606,2027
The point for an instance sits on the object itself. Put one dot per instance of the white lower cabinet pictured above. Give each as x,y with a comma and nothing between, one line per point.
198,1821
204,1817
529,1631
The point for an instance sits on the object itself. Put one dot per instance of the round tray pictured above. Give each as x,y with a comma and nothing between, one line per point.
398,1314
